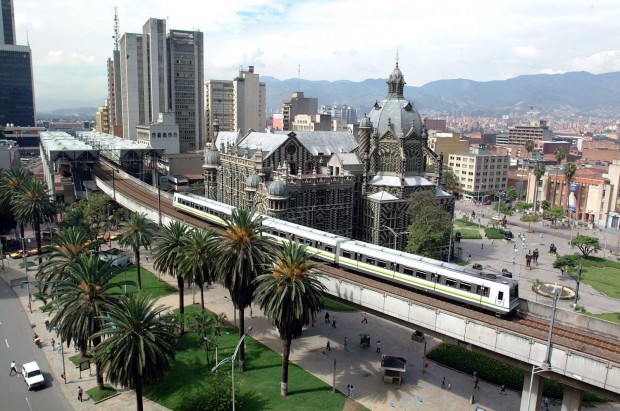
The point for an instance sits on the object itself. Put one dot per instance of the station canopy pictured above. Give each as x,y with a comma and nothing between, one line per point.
60,146
118,149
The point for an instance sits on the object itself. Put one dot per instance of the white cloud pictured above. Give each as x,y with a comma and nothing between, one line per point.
602,62
59,57
526,51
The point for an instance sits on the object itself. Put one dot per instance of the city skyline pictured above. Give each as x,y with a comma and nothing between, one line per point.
328,40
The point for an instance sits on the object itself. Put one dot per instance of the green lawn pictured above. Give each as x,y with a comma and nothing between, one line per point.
150,283
463,223
333,305
259,386
494,233
613,317
603,275
96,394
470,234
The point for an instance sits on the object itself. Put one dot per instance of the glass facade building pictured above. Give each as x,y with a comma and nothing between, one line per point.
16,86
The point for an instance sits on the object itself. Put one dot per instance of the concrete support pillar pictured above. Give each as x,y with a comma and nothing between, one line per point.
536,397
572,399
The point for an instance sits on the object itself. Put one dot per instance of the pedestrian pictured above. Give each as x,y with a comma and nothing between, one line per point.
53,344
147,257
327,317
378,346
80,392
541,234
365,320
546,403
328,346
492,241
503,390
352,392
443,383
56,330
482,246
449,386
47,325
346,344
349,390
13,369
513,260
468,258
59,350
314,322
334,321
476,379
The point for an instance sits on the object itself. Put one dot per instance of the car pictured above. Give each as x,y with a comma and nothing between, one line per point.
117,257
508,235
32,375
457,236
17,254
487,202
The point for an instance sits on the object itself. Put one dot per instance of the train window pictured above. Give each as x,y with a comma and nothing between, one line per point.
310,242
421,274
346,254
282,234
481,290
465,287
409,271
381,263
370,261
301,240
436,278
450,282
500,295
329,249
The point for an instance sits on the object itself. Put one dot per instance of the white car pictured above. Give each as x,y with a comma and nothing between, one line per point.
117,257
32,375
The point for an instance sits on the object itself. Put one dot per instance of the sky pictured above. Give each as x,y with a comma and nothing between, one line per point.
355,40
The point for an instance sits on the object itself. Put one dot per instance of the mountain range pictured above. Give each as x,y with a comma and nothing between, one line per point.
573,93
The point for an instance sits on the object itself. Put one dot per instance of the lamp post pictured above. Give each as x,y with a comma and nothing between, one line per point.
546,365
24,255
334,376
114,183
395,234
232,361
578,279
27,282
62,354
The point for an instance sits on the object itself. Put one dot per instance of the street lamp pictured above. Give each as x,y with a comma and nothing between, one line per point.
395,234
232,362
334,377
24,254
28,289
546,365
113,183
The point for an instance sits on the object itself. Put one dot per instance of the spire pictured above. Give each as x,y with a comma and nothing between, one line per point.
396,82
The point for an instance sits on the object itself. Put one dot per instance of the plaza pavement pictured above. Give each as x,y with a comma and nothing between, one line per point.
421,388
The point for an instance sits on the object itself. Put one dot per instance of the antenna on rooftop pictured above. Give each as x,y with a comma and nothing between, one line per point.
298,76
116,30
27,39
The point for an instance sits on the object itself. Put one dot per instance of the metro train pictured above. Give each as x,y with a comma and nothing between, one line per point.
490,292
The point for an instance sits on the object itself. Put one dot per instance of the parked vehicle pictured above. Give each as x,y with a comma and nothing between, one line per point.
118,258
32,375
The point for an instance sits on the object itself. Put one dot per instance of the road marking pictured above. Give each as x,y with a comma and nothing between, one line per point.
28,402
7,343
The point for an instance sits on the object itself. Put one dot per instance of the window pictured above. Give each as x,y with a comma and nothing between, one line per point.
329,249
346,254
408,271
451,282
465,287
381,263
500,295
370,261
421,274
435,278
481,290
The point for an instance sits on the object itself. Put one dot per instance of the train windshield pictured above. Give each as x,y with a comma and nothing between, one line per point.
514,291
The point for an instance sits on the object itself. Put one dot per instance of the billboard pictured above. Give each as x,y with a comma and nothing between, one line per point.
572,197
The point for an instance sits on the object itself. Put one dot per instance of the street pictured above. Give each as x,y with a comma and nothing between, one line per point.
16,344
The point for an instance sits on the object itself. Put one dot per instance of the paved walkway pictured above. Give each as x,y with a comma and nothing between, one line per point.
421,388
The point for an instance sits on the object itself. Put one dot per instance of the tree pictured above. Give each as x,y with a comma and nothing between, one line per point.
449,180
11,182
529,147
545,205
529,219
33,205
560,154
80,297
568,263
291,296
430,227
511,194
586,244
539,171
167,250
137,234
569,172
209,328
556,213
503,208
196,259
139,343
524,206
242,254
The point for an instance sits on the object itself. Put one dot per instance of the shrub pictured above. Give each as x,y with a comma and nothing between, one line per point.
215,394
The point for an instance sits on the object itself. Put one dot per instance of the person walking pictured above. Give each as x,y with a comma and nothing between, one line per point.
443,383
47,325
449,386
327,317
365,320
352,395
346,344
80,393
503,390
378,346
476,379
482,246
349,390
53,344
13,369
334,322
328,346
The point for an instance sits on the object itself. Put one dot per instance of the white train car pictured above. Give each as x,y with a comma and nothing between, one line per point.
202,207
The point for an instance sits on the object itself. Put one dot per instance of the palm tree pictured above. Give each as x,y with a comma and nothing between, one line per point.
11,182
539,172
560,154
167,247
243,253
33,205
84,294
291,296
569,172
65,248
196,259
137,234
208,326
139,343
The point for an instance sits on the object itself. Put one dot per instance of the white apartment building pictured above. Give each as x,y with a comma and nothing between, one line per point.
219,105
480,173
163,133
131,84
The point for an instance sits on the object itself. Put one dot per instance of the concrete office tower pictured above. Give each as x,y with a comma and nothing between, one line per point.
219,104
7,22
250,101
298,104
132,84
16,86
155,63
185,86
536,130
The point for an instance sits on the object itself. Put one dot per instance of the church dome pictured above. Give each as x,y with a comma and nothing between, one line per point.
277,188
252,181
395,113
212,157
365,122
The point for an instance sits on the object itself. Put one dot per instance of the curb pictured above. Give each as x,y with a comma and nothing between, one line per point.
107,398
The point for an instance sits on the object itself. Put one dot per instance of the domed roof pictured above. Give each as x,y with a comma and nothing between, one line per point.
395,112
277,188
365,122
212,156
252,181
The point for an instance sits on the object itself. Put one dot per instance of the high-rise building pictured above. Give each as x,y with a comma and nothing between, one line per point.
102,119
346,113
237,105
7,22
155,64
16,79
298,104
536,130
186,77
132,84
